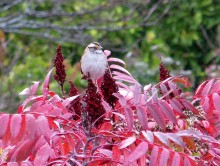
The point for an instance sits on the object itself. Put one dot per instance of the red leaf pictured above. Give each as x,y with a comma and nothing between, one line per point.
176,159
125,143
205,104
153,157
119,68
205,124
42,155
105,152
164,157
22,152
4,119
136,89
174,87
204,88
163,89
97,162
157,115
142,161
45,108
120,115
64,146
15,125
148,135
216,101
26,163
162,137
192,161
69,99
116,60
129,117
215,87
107,52
39,143
189,106
108,133
183,80
116,155
125,78
137,153
199,89
12,164
122,85
168,111
36,105
30,126
117,73
55,98
176,139
31,90
106,106
196,134
186,162
188,133
142,117
177,106
43,127
45,89
121,99
21,108
154,95
207,88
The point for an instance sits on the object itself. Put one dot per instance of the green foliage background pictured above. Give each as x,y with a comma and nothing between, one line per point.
187,39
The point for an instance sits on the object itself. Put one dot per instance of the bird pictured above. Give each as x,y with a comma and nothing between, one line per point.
93,61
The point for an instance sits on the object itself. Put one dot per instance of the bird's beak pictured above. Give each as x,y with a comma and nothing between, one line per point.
100,47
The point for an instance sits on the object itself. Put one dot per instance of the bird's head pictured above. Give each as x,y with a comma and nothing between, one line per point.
95,47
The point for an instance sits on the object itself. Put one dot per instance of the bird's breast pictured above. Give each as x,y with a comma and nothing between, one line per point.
94,65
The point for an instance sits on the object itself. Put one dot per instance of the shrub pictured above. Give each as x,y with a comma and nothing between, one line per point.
114,122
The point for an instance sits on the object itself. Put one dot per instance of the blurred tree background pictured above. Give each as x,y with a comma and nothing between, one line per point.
185,34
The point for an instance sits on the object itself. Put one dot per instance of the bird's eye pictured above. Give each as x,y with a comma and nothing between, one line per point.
92,48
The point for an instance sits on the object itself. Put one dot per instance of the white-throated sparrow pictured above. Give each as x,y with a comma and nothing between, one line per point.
93,61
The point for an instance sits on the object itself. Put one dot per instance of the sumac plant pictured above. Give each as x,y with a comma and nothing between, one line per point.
115,121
